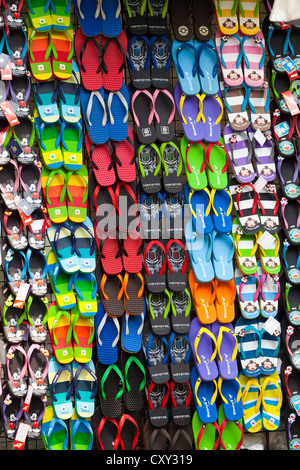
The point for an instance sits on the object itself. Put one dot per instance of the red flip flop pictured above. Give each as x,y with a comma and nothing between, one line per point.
88,51
102,162
132,253
110,255
114,59
125,158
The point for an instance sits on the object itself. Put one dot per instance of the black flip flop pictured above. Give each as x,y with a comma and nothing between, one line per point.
31,182
134,373
20,88
148,163
110,385
155,259
291,338
181,398
282,131
156,350
37,308
136,18
13,14
291,302
280,83
181,19
158,306
181,308
294,41
161,58
139,62
176,265
13,328
269,208
290,256
275,43
11,413
157,17
180,350
289,213
24,134
105,430
172,166
288,176
290,379
142,104
164,106
37,230
14,266
292,427
103,205
9,185
203,12
15,230
37,270
150,206
16,47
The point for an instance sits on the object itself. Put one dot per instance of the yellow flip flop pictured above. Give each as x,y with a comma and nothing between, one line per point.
227,16
251,399
249,17
271,399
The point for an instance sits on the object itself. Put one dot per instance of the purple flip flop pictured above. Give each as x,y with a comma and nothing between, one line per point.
264,155
240,152
212,112
189,111
227,352
204,349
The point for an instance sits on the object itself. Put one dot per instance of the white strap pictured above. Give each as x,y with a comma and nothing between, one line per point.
139,331
90,104
123,100
101,326
99,7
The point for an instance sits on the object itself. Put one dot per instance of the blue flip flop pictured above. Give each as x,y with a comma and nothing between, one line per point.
111,18
221,205
85,244
45,96
200,250
269,347
132,332
231,393
199,204
248,338
185,60
85,286
85,388
107,331
60,380
205,394
222,255
69,94
89,17
117,103
52,427
208,64
95,115
81,431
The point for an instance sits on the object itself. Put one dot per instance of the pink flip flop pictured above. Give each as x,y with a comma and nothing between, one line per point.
87,51
254,59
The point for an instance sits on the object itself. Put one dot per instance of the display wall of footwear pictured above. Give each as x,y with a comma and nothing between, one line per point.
150,225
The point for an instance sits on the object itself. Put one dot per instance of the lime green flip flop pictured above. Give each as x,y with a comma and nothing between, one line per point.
40,15
245,249
60,329
217,164
205,434
85,285
194,160
231,432
81,433
60,14
54,190
77,190
61,283
55,432
71,138
83,334
49,138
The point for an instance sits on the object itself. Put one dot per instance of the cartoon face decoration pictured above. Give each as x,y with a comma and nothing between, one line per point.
244,172
249,24
254,76
229,24
239,121
233,75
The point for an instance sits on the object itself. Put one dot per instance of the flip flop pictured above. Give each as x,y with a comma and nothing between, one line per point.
226,14
204,305
289,379
240,152
225,300
222,255
40,15
230,53
189,108
61,239
199,204
114,59
12,15
202,16
13,317
291,304
269,257
132,329
60,380
54,189
185,58
71,139
111,389
55,433
69,94
270,292
231,394
85,244
172,166
77,192
253,48
247,292
205,394
60,14
49,142
155,260
245,247
39,55
271,394
204,346
83,334
88,51
142,100
95,115
88,14
156,351
157,17
212,114
85,286
200,250
19,89
277,41
218,161
279,83
139,57
15,230
60,282
158,307
251,400
81,433
136,17
249,17
16,47
290,257
111,290
194,157
125,158
37,363
107,332
289,213
176,265
117,104
205,434
24,134
111,18
180,303
149,164
259,102
60,330
15,267
164,112
135,380
37,271
36,310
85,388
45,95
180,16
161,58
264,153
231,432
227,347
282,133
236,100
248,338
269,347
245,203
30,177
133,285
221,204
208,63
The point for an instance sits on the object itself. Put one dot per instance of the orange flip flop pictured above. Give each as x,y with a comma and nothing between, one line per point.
203,294
224,301
83,334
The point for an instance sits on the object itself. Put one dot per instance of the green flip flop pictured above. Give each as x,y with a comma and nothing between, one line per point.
231,432
49,138
40,15
60,329
218,161
61,284
71,139
194,160
205,434
81,433
55,432
60,14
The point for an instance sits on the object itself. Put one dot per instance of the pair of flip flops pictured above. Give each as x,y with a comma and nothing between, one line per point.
209,344
66,379
258,345
165,266
211,254
237,15
95,18
50,52
242,58
242,146
170,437
147,16
66,194
216,301
105,114
191,19
257,294
205,164
262,399
241,101
200,115
153,113
150,61
196,64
